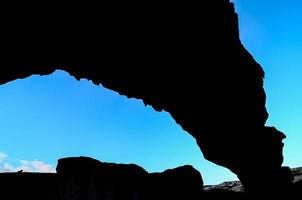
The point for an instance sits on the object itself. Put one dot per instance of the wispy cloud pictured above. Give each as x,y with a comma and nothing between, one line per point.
25,165
2,156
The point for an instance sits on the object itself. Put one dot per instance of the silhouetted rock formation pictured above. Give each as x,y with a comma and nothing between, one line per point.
101,180
183,58
84,166
84,178
236,186
297,173
180,183
130,181
235,190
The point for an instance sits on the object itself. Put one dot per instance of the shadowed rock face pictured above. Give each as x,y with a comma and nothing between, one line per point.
297,173
83,166
180,58
82,178
236,186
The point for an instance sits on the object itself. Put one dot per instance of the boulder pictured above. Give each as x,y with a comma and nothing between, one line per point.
120,181
183,182
85,166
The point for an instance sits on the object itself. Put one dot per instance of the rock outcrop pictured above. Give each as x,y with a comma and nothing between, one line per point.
297,173
120,181
234,186
180,183
85,166
83,178
235,190
183,58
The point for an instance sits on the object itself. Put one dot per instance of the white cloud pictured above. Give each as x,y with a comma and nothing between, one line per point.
42,167
35,166
25,165
6,167
2,156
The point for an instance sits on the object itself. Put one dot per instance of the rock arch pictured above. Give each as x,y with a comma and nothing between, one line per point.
185,59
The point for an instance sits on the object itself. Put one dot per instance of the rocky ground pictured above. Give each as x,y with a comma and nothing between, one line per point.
297,172
236,186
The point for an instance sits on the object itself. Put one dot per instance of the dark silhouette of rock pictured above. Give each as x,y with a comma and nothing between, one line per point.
88,166
182,58
82,178
120,181
236,186
180,183
34,186
235,190
297,173
101,180
219,194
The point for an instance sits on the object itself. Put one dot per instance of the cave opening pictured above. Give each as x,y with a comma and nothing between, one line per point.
45,118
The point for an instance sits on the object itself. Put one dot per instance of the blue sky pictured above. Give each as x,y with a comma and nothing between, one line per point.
46,118
271,30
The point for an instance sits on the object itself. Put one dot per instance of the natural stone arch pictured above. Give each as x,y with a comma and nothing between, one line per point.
191,65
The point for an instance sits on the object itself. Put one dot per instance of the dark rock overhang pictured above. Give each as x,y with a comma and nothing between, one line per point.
185,59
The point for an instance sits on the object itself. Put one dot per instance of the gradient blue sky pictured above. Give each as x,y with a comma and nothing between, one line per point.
46,118
272,31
